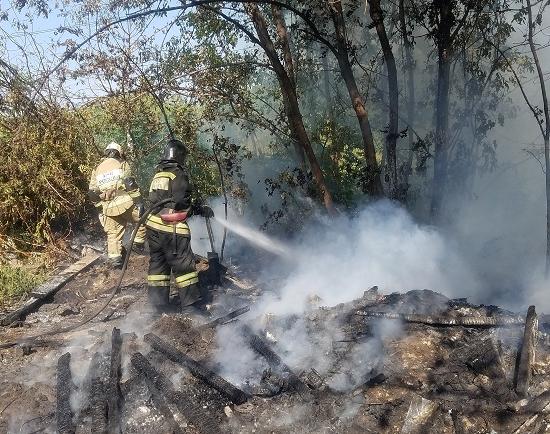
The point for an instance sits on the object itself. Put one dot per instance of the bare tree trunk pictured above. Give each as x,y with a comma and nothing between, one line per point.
329,114
326,85
411,100
441,150
372,184
392,135
290,102
545,131
284,42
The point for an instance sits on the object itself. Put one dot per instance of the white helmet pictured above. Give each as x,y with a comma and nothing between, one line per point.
113,146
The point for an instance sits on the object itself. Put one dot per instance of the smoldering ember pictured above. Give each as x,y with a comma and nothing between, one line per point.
274,216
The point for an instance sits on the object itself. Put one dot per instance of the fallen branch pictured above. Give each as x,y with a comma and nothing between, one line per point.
236,395
442,321
39,295
259,345
224,319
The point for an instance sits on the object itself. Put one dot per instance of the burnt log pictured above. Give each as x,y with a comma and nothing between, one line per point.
224,319
445,321
98,396
93,386
526,356
113,387
162,406
98,406
185,402
261,346
40,294
198,370
64,413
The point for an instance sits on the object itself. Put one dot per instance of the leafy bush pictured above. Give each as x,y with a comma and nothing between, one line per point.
44,169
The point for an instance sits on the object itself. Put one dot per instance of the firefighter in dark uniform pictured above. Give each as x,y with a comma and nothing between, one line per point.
168,232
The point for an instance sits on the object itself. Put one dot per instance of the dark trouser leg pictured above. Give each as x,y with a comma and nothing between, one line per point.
158,280
183,266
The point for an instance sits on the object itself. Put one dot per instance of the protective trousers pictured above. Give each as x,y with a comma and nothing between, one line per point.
115,226
171,253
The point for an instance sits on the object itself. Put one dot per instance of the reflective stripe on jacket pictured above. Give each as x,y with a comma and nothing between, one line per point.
170,181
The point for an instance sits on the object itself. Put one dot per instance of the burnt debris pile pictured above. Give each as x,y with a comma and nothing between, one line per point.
408,363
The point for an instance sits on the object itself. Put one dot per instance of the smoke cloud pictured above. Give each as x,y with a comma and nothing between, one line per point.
335,261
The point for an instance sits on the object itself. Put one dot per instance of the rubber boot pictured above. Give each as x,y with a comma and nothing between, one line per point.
190,298
158,298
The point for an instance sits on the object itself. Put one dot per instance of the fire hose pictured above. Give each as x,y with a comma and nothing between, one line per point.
28,340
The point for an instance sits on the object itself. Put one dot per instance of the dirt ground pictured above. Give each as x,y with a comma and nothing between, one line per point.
417,365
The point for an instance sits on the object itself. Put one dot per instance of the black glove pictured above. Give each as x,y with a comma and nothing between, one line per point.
206,211
94,196
130,184
140,206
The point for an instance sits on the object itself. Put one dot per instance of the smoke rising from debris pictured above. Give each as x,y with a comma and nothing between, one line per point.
334,261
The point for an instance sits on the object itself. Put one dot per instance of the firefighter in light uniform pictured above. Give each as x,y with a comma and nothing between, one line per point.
116,194
168,233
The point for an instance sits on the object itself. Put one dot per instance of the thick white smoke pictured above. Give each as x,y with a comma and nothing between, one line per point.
337,260
333,262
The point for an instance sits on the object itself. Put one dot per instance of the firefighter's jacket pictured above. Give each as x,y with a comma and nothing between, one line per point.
107,181
170,181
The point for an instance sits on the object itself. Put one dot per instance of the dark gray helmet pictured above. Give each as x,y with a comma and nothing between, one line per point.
175,150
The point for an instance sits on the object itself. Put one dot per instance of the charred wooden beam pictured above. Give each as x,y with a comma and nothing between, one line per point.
198,370
232,280
185,402
98,396
41,293
443,321
64,413
113,388
524,366
163,407
261,346
225,318
86,390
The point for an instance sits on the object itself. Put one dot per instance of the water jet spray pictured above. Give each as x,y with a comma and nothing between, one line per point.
256,237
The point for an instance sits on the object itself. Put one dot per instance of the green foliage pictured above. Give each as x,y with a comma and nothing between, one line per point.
136,121
44,167
16,281
342,158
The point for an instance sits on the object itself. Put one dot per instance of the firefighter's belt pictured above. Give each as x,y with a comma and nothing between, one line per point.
174,217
